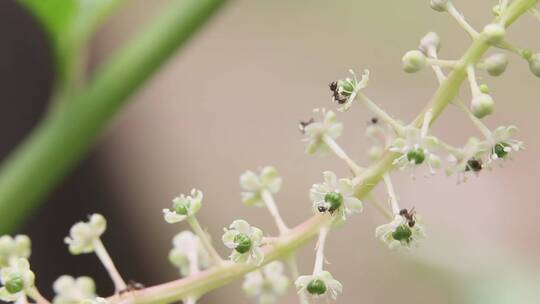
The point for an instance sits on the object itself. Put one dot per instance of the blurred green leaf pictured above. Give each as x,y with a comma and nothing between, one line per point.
69,24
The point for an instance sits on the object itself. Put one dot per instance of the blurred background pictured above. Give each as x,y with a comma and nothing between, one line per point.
231,101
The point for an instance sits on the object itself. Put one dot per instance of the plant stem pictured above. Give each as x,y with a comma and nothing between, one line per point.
373,107
333,145
203,237
63,137
391,194
293,267
105,258
319,255
274,212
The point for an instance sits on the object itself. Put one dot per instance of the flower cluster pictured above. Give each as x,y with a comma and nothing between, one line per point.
335,197
83,235
245,241
183,207
254,185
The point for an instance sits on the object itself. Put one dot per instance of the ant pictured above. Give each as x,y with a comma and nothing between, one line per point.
303,124
374,120
338,97
474,165
409,216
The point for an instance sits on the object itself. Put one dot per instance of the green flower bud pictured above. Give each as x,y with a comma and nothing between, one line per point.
243,243
181,209
496,64
417,156
15,284
534,64
335,200
500,149
482,105
402,233
316,287
484,88
438,5
527,54
494,32
413,61
346,87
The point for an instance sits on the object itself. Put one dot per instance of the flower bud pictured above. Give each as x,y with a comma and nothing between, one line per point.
482,105
316,287
416,156
15,284
484,88
402,233
494,32
243,243
534,64
496,64
430,40
413,61
438,5
335,200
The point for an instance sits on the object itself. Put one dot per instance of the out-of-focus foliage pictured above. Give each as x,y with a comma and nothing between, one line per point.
69,24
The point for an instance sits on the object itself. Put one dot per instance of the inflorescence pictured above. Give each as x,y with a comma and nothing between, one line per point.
334,199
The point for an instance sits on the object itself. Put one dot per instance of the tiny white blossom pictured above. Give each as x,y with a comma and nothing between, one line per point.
183,207
316,131
500,143
266,284
83,235
399,233
335,196
319,284
345,91
73,291
17,280
14,248
187,249
416,147
254,184
246,242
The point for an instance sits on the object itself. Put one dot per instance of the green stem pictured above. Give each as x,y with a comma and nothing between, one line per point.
64,136
205,241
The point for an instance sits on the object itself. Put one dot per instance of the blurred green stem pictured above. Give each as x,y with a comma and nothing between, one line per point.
64,136
365,182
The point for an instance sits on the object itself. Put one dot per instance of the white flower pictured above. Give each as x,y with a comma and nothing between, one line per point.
319,284
183,207
83,235
466,160
316,131
245,241
335,196
13,248
254,184
266,284
17,279
399,233
500,143
416,147
187,249
73,291
345,91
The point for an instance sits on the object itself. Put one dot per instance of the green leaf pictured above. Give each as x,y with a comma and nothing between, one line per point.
69,24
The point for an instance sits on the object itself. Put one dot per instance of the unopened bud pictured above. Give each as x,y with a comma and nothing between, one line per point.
482,105
413,61
496,64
